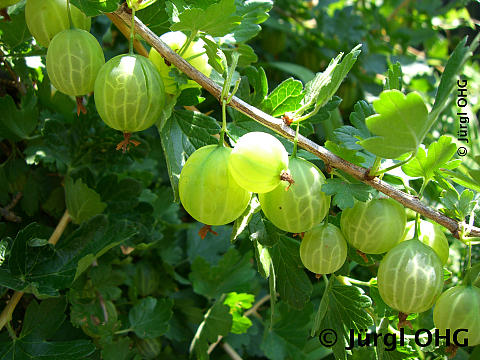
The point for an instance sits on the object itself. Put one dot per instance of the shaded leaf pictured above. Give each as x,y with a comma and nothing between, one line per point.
217,321
233,273
149,318
82,202
293,284
17,124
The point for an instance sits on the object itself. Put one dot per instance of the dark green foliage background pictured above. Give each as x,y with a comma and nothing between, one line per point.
136,278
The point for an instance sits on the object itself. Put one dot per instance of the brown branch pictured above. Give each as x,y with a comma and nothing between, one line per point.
281,128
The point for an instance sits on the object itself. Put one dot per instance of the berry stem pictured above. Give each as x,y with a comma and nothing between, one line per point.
187,43
70,21
224,97
224,123
375,167
132,32
417,226
380,172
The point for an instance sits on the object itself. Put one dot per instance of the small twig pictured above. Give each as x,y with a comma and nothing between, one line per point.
7,312
7,212
281,128
257,305
231,352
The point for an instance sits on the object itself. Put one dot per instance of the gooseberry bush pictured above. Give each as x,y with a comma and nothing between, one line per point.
298,179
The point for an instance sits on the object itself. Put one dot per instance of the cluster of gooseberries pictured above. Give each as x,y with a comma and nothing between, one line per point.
216,185
129,89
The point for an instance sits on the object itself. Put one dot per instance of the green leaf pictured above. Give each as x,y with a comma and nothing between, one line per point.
262,230
406,114
117,350
198,127
349,136
321,89
96,7
461,179
183,133
393,80
216,57
242,222
458,206
233,273
426,164
41,322
345,311
264,260
82,202
293,283
279,339
17,124
216,20
237,304
345,193
217,321
285,98
177,148
452,70
149,318
352,156
44,270
253,12
155,17
15,32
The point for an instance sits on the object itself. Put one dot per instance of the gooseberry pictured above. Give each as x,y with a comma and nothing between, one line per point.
74,58
303,205
323,249
459,308
129,93
375,226
410,277
46,18
431,235
207,190
259,162
194,54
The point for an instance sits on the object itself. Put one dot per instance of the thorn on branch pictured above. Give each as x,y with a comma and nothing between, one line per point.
287,120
